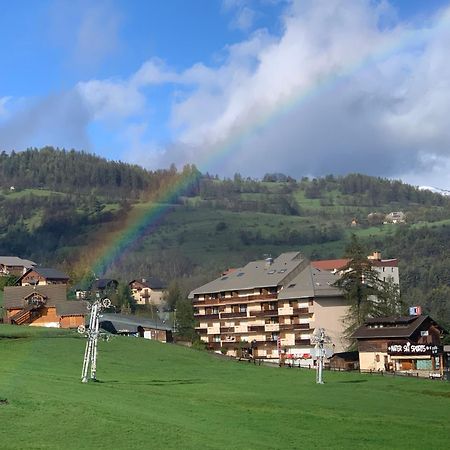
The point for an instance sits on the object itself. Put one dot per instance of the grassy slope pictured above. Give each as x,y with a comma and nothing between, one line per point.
153,395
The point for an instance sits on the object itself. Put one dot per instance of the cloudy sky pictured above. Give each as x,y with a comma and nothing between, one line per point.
306,87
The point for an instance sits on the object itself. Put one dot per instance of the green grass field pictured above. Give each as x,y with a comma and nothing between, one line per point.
153,395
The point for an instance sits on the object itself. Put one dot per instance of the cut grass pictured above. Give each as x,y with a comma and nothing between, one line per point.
153,395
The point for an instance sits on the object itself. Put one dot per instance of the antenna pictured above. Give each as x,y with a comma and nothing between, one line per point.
320,338
90,352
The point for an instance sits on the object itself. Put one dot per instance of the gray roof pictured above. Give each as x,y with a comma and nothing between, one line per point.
257,274
392,327
48,272
16,261
55,295
294,274
130,324
151,282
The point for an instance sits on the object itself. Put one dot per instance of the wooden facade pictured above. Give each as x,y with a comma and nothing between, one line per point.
45,306
401,344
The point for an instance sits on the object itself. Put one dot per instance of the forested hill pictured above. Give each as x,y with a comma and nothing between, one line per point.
71,171
67,204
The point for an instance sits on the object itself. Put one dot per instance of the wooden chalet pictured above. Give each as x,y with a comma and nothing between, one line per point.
410,344
45,306
42,276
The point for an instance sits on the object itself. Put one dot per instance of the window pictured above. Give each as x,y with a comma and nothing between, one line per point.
243,308
291,286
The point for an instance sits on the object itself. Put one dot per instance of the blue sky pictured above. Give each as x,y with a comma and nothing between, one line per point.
251,86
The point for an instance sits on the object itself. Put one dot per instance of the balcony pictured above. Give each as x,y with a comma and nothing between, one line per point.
266,313
232,314
227,329
301,326
302,342
272,327
287,311
256,328
301,311
206,316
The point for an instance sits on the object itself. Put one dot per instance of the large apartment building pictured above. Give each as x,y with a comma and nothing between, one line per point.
270,306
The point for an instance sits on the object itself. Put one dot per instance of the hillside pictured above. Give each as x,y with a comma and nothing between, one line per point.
165,396
61,212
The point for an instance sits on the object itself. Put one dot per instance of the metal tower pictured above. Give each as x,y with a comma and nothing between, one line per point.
320,339
92,333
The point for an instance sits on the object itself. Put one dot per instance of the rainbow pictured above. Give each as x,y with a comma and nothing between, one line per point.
146,221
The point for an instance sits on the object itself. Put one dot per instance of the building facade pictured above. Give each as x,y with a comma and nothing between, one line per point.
148,291
45,306
269,307
410,344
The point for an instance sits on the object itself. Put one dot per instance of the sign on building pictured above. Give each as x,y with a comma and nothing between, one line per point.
408,349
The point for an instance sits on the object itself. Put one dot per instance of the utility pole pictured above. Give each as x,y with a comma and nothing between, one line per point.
90,353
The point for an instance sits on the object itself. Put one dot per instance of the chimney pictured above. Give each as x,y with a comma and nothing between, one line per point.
375,256
269,262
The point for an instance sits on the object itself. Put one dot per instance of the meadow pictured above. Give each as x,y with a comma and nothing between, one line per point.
153,395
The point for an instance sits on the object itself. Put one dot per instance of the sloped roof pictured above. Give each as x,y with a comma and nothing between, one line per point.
103,283
16,261
130,324
55,294
256,274
47,273
330,264
151,282
392,327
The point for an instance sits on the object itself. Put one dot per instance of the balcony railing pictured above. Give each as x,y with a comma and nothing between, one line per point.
303,342
235,299
301,310
257,328
232,314
266,313
206,316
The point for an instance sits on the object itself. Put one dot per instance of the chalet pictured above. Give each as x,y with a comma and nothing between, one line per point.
410,344
42,276
148,291
43,305
272,306
395,217
136,326
12,265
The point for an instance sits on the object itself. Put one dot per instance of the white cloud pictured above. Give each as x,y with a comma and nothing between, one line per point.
338,91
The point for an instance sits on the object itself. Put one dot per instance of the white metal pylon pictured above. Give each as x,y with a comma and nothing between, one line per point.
320,338
92,333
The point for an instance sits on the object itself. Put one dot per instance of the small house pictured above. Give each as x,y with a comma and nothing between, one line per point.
42,276
148,291
344,361
154,329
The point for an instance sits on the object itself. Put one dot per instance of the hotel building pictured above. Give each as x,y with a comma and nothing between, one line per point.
270,306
